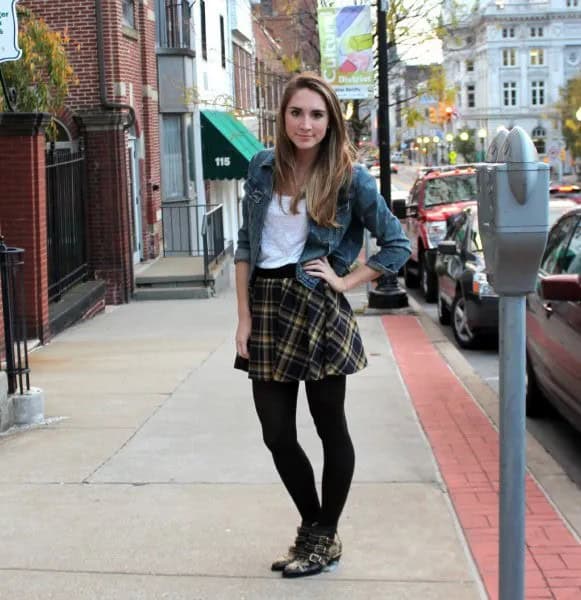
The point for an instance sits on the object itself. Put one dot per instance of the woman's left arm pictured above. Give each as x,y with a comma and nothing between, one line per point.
370,207
321,268
394,247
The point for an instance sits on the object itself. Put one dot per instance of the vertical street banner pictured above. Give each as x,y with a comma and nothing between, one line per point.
346,43
9,49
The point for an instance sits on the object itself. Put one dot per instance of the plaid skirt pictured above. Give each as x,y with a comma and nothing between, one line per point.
300,334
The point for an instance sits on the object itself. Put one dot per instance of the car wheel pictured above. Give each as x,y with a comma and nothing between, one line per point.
536,404
410,278
465,337
444,314
428,281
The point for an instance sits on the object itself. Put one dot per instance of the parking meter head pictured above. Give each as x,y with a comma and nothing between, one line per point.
495,145
520,155
513,229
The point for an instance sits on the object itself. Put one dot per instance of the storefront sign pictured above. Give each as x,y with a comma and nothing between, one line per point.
9,49
346,42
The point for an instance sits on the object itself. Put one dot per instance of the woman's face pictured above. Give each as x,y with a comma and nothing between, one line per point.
306,119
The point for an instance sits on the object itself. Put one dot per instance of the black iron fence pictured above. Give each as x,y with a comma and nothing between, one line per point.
194,230
14,312
213,237
65,200
173,23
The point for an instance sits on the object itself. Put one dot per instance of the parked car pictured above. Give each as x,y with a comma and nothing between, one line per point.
437,194
465,298
568,191
397,157
553,316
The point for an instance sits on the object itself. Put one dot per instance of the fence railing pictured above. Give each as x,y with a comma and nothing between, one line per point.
173,23
14,312
213,237
65,200
194,230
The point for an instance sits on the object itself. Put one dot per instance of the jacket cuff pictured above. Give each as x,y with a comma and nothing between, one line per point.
241,255
376,265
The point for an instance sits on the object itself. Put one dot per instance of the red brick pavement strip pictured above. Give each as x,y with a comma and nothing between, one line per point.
465,445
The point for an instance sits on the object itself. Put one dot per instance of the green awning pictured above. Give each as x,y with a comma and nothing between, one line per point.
227,146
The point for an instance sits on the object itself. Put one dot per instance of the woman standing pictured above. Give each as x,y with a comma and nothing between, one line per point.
305,208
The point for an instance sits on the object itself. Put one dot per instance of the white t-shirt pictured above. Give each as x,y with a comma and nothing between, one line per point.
284,234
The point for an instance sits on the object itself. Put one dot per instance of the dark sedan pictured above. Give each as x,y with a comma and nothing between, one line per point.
554,325
465,298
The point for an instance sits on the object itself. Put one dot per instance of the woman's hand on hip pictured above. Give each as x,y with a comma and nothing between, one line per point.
243,335
321,268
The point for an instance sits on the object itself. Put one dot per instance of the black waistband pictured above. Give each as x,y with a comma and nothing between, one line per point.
284,272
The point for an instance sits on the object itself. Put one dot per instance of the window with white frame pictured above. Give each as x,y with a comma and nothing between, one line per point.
470,66
537,93
509,57
471,95
172,164
508,32
572,3
537,32
509,93
536,57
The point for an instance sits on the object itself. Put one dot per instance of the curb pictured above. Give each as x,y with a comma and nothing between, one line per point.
539,461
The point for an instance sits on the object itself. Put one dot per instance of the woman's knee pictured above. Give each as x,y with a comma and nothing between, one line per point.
279,440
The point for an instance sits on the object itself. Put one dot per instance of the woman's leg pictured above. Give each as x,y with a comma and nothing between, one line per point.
327,405
276,405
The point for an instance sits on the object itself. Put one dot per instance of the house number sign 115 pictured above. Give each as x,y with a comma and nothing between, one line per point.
222,161
9,49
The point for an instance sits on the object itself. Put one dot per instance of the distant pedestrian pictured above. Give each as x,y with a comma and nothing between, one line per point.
305,208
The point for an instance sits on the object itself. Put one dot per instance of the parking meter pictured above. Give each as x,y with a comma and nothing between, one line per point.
513,212
513,217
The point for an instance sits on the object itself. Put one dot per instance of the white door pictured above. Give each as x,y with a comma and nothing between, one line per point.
135,199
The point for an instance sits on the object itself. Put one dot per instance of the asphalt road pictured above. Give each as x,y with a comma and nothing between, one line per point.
553,432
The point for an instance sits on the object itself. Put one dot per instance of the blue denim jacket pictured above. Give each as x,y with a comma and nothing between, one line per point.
358,208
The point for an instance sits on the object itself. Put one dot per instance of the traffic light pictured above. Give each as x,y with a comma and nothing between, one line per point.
445,112
432,114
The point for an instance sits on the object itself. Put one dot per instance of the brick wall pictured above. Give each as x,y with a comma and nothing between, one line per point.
271,77
23,209
131,77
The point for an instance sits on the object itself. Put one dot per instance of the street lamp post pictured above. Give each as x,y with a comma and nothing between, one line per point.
435,139
387,293
482,133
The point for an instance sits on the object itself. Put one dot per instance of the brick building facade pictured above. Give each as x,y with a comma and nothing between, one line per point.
114,109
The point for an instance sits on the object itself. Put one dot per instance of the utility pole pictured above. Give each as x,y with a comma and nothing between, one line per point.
388,293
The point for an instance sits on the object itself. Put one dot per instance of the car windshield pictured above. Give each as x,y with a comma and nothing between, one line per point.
446,190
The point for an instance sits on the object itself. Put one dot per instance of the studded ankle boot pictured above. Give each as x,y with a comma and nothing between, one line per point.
302,536
315,556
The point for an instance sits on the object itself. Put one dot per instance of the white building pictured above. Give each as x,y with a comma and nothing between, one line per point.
508,60
202,49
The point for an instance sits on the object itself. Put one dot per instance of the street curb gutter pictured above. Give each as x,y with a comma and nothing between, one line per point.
560,491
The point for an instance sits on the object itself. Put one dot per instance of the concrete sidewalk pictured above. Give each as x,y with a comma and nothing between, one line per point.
155,484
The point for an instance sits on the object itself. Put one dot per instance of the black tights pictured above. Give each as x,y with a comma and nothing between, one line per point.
276,405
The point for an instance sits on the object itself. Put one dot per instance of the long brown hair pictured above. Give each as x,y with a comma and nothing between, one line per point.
333,165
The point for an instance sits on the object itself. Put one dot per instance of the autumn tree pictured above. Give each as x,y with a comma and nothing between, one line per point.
569,109
41,78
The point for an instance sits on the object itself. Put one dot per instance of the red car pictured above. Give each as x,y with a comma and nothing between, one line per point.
554,325
437,194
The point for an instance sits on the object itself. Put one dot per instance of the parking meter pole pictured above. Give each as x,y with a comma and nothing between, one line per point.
512,447
513,218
